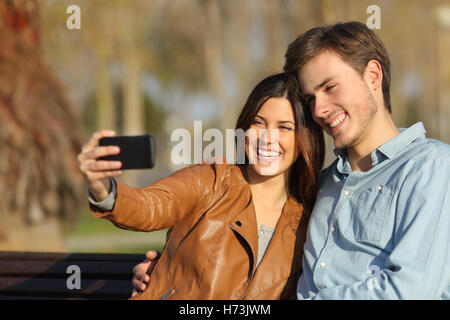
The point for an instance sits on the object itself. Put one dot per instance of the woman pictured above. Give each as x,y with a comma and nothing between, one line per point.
237,231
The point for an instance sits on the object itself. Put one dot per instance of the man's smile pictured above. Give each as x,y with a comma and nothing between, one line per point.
334,123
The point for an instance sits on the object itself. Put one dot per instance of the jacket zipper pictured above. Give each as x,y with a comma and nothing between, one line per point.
167,294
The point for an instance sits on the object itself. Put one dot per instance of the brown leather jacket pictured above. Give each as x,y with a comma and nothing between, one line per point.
212,249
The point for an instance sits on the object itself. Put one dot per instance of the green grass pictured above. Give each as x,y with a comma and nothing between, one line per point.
87,224
89,227
132,249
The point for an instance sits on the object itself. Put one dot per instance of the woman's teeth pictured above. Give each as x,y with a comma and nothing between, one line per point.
337,121
268,154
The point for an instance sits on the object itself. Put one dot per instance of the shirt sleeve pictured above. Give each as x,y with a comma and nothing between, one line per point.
419,265
108,203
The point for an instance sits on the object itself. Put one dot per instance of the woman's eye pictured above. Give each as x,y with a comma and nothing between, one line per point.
286,128
258,122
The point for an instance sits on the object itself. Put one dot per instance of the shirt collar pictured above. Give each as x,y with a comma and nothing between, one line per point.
343,165
386,150
402,140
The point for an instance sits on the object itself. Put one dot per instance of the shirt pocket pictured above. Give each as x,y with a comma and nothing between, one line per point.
369,219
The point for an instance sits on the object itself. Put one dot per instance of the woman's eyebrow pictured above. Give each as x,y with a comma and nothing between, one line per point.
286,121
283,121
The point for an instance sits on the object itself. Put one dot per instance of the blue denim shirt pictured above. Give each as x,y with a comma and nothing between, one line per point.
384,233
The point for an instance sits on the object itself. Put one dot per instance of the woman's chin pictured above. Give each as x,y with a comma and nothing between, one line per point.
266,169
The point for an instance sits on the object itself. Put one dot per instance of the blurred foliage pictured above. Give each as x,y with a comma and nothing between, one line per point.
59,85
154,115
40,132
224,47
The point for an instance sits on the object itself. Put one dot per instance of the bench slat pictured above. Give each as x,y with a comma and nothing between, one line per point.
121,269
32,286
52,256
43,275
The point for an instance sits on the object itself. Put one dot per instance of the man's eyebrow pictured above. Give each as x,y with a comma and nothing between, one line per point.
324,82
320,85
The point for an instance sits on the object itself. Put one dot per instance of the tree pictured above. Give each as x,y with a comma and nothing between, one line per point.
40,136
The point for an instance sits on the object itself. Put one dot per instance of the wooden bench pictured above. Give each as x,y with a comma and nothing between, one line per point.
43,275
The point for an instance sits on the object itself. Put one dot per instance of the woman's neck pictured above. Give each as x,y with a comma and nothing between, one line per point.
268,191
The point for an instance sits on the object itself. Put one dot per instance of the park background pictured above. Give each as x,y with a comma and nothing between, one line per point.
152,66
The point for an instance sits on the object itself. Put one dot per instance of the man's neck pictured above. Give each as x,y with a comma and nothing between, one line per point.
379,133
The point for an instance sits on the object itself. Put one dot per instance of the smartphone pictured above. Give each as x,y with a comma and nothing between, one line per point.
136,152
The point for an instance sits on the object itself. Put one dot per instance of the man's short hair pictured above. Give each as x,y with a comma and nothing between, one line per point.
354,42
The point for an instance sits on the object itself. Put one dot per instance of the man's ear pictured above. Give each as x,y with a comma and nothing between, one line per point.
373,75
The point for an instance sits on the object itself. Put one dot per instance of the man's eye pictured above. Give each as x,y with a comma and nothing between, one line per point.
330,87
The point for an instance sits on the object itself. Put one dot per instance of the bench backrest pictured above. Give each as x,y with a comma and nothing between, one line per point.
43,275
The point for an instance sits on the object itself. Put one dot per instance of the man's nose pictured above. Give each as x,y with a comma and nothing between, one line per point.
322,107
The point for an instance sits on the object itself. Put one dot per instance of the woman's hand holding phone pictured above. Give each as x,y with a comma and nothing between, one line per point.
97,173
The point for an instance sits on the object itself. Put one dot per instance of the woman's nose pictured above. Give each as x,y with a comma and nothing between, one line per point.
269,136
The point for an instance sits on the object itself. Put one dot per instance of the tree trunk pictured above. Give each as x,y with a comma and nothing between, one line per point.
105,101
241,14
133,107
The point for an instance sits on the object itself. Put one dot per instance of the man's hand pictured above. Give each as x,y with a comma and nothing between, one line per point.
143,270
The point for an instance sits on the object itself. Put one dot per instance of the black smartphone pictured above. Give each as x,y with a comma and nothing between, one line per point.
136,152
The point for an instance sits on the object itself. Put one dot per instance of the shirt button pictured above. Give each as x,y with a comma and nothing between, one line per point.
346,192
323,264
261,232
379,188
333,229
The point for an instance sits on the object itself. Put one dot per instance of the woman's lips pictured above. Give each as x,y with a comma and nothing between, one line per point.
267,156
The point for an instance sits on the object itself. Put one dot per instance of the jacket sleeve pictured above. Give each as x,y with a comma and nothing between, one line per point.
162,204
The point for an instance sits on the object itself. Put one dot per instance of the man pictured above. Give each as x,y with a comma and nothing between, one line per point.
380,226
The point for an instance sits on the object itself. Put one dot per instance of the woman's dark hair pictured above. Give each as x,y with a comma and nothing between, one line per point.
303,179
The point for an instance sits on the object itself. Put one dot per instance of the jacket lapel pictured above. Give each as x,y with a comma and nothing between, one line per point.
244,224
